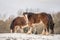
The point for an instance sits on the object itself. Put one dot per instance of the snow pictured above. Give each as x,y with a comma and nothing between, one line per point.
23,36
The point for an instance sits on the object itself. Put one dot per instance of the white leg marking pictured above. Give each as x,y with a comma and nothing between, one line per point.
47,33
11,31
43,32
30,30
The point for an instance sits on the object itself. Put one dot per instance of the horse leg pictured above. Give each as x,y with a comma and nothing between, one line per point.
15,29
21,29
35,31
30,26
43,32
11,31
47,30
30,31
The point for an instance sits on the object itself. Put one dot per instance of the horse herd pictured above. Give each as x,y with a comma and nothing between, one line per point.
30,19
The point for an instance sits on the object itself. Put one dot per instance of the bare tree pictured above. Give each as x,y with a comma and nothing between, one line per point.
20,12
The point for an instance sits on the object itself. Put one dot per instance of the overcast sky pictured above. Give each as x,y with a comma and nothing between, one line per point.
11,7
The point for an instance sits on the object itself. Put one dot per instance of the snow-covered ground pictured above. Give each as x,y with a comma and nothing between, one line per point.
21,36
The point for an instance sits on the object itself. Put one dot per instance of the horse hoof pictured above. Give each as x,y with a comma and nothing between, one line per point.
47,33
29,32
43,33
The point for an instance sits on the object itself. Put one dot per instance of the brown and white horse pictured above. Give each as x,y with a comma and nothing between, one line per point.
43,17
18,24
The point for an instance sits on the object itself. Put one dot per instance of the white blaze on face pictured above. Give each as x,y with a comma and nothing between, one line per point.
26,18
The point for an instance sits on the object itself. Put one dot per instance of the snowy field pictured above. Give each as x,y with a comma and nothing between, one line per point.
20,36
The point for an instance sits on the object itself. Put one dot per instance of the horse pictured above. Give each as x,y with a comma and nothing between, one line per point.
33,19
17,24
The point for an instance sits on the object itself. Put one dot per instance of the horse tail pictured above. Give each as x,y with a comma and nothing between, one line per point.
12,26
51,23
